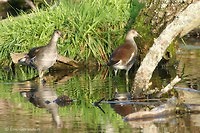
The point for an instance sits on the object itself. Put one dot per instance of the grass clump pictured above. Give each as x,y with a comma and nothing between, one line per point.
91,29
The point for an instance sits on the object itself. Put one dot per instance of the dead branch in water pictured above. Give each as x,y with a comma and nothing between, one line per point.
160,111
169,86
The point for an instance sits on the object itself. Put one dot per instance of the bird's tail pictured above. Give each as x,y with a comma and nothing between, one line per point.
23,61
26,61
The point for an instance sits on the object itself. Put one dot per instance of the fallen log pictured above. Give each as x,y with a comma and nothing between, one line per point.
165,109
188,101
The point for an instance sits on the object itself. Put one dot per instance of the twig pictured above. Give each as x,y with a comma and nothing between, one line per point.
169,86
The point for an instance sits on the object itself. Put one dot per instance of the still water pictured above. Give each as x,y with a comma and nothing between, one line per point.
66,102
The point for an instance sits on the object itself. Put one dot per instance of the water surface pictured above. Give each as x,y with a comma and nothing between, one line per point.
27,105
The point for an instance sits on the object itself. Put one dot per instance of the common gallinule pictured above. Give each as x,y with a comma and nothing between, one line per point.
124,56
43,57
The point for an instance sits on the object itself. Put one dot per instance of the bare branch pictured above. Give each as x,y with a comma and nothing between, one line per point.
181,25
169,86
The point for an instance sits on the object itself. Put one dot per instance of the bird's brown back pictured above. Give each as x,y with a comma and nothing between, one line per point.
123,52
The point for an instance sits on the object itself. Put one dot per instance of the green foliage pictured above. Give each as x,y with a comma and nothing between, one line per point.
91,28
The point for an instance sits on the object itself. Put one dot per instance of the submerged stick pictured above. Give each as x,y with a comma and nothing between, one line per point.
160,111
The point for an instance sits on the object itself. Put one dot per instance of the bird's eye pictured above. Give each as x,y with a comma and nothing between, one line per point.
58,32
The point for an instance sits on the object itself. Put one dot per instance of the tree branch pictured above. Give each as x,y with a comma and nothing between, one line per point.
181,25
169,86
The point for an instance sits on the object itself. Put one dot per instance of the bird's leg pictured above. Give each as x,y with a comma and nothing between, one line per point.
115,70
127,81
41,73
115,84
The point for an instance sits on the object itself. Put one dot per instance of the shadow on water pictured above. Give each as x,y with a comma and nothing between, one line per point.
101,100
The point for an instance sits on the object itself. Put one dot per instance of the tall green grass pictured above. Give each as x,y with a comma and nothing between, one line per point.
91,28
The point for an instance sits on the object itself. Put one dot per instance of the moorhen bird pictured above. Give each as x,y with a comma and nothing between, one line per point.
43,57
124,56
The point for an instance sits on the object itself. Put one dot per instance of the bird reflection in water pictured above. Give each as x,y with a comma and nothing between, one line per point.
43,96
121,107
117,103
